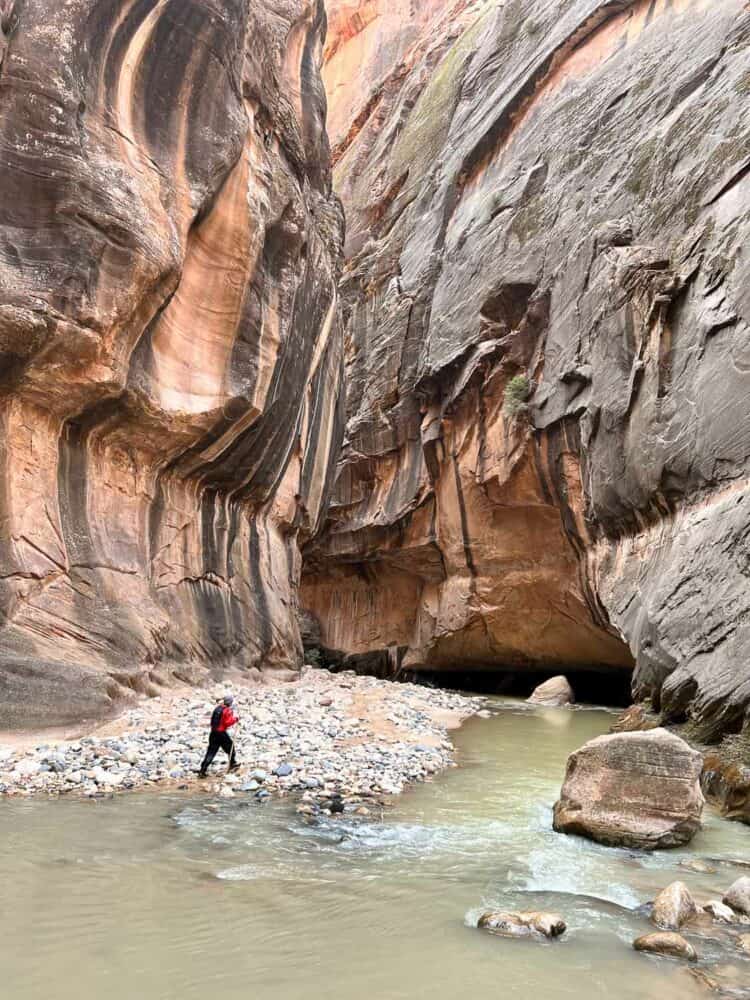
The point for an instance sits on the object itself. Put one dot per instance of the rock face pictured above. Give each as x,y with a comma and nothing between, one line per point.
727,784
555,692
546,459
170,354
632,790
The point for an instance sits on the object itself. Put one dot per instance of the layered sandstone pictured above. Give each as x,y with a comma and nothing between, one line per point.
170,351
548,444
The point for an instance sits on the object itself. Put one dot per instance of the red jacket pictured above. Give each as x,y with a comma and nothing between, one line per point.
227,719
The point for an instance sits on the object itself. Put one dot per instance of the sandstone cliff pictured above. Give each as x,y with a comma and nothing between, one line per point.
170,352
546,304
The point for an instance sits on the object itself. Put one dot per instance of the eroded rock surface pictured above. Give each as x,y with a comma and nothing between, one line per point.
170,354
632,790
547,452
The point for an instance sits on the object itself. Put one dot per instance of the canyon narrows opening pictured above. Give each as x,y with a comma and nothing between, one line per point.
375,407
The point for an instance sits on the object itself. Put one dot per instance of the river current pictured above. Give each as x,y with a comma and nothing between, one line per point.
167,897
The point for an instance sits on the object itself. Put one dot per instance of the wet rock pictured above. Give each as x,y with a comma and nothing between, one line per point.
720,911
193,157
635,719
727,784
632,790
554,692
738,896
697,865
673,907
744,942
538,924
666,943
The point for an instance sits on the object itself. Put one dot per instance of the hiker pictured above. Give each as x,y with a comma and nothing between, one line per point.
222,719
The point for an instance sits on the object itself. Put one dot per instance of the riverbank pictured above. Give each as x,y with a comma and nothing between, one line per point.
323,735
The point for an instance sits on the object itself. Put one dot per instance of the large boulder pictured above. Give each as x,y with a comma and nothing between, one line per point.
532,924
632,790
555,692
738,896
673,907
666,943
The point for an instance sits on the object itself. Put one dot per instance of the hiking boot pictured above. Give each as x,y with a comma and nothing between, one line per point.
202,774
233,767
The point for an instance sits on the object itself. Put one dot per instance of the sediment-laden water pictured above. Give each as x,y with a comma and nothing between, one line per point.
163,897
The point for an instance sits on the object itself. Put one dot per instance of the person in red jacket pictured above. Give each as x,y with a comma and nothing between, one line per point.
222,719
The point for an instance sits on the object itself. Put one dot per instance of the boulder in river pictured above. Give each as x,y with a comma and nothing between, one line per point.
738,896
720,911
532,924
673,907
632,790
666,943
554,692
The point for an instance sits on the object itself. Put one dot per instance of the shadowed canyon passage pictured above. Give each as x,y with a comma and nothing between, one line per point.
545,301
536,356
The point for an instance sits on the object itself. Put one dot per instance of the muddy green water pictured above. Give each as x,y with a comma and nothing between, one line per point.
161,898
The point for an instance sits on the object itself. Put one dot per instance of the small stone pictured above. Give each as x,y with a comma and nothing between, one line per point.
720,911
666,943
249,786
696,865
738,896
27,768
226,792
673,907
284,770
548,925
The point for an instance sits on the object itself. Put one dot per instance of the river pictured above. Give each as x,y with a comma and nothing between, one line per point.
163,897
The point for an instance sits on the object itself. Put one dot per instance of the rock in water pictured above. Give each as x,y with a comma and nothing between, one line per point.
666,943
170,347
738,896
634,720
538,924
720,911
632,790
554,692
673,907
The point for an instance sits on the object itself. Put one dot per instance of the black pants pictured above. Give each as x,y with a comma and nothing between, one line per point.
216,742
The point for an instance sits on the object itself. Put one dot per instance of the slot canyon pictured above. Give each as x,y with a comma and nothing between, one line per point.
422,323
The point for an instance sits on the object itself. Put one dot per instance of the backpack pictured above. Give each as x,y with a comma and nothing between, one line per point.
216,716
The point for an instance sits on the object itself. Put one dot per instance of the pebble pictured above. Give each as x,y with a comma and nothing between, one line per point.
301,738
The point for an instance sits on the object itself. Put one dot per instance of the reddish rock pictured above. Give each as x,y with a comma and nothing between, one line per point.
170,353
632,790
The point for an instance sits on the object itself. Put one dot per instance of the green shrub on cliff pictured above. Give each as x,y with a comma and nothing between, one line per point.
517,391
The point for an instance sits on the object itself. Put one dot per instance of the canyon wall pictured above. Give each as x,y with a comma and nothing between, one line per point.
170,349
546,304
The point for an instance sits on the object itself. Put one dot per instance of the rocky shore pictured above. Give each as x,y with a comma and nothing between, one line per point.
338,740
